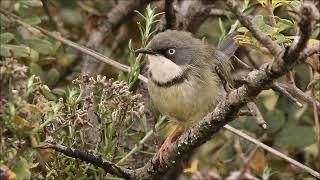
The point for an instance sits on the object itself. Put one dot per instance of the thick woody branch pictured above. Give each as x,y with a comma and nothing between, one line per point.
309,15
310,51
227,109
225,112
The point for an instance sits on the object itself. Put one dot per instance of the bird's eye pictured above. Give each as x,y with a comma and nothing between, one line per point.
171,51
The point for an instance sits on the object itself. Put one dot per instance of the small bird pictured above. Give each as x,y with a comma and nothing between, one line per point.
183,80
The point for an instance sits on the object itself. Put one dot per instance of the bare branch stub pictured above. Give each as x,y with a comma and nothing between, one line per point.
296,92
278,88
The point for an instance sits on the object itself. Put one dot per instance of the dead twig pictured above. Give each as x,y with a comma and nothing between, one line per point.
90,158
169,14
257,114
49,14
278,88
296,92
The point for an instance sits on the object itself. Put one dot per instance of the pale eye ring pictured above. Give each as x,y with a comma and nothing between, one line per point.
171,51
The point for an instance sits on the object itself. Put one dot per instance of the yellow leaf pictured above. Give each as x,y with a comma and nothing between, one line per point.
270,99
193,168
258,162
313,42
6,173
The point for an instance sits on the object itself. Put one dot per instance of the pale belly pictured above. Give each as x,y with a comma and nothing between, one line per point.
186,102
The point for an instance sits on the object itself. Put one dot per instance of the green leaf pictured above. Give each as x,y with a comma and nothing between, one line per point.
280,38
36,70
22,169
259,22
275,119
7,50
46,92
32,3
296,4
242,29
6,37
283,24
270,99
59,91
40,45
295,136
52,77
222,29
32,19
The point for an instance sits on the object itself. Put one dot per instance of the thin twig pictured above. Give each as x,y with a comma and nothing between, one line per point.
48,12
242,64
252,62
136,147
169,15
88,157
309,51
273,151
264,39
296,92
270,11
257,114
314,107
245,160
120,13
79,47
278,88
225,112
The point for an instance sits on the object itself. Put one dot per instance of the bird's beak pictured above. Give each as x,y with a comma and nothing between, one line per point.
145,51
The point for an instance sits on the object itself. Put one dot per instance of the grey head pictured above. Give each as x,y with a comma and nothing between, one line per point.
173,54
178,46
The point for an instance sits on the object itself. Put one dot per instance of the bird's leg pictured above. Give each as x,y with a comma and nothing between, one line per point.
173,134
224,82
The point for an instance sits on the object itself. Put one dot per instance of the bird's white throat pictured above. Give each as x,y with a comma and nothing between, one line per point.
163,69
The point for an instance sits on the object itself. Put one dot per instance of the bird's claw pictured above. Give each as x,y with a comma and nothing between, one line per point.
160,154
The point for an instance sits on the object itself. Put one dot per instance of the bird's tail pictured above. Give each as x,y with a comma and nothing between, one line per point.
228,45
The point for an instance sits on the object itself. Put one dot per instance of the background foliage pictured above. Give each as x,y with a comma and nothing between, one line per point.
41,95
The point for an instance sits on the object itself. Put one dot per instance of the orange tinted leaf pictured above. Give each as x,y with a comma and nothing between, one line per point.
18,120
259,162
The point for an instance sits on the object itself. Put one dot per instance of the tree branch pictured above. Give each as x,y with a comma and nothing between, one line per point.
224,112
279,88
169,15
257,114
90,158
296,92
264,39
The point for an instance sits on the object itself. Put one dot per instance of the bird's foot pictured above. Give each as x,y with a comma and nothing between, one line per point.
160,154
